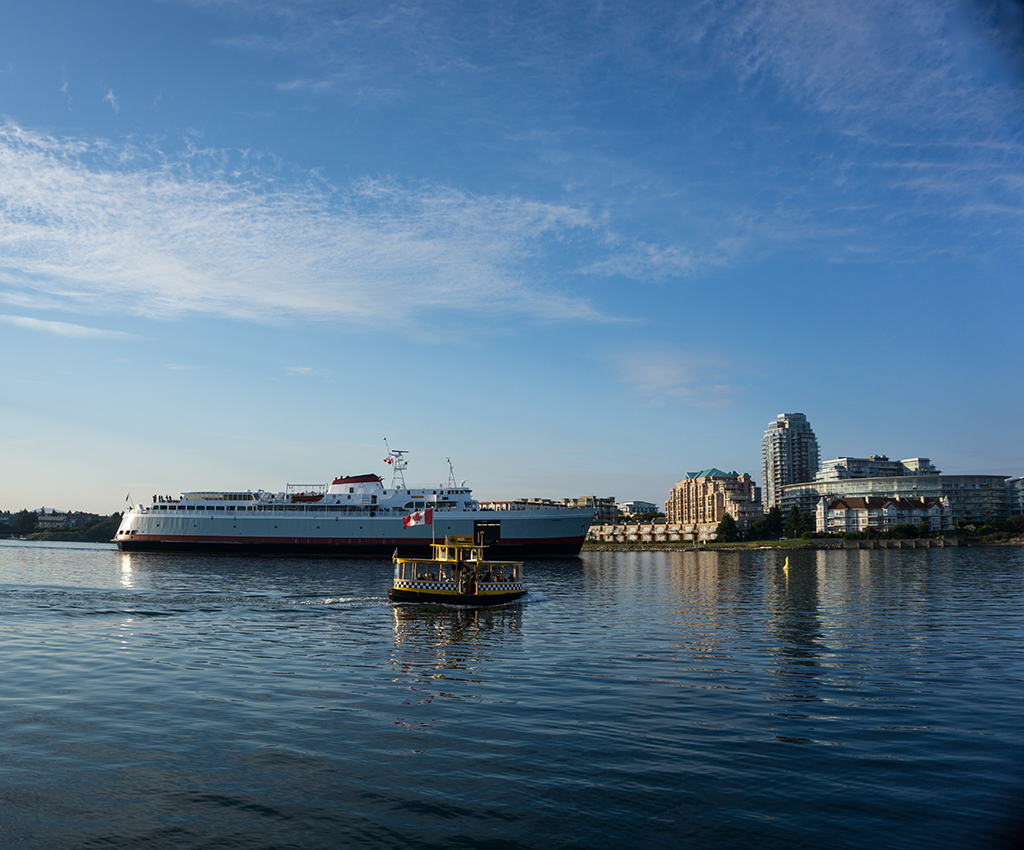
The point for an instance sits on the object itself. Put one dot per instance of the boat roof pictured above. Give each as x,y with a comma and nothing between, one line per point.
358,479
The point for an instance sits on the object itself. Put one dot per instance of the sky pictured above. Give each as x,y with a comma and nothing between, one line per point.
576,247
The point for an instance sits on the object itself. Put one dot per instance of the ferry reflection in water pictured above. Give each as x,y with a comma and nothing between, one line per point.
449,654
453,637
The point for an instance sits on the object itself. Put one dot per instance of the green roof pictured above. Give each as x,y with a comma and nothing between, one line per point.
713,472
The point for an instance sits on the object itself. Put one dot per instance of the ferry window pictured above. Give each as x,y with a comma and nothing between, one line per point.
220,507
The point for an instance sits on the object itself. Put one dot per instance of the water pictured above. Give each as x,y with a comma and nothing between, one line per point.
857,699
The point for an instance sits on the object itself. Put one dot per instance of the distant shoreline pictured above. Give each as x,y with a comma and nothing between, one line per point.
822,544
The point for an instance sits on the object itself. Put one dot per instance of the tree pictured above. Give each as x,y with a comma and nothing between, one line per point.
727,532
773,522
903,530
806,525
793,522
103,530
25,523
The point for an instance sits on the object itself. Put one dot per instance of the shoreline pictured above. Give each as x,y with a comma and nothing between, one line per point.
810,544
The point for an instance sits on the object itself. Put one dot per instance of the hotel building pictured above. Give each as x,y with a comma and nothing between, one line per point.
703,498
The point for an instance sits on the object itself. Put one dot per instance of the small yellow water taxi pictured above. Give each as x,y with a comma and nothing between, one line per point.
457,574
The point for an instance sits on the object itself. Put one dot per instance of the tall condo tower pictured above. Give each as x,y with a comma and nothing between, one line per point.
790,452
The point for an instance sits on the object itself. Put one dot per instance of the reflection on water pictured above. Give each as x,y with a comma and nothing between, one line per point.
443,627
855,699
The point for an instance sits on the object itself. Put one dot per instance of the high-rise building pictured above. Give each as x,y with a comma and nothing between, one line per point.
790,452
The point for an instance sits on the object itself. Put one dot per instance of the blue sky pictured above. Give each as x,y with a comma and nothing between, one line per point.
576,247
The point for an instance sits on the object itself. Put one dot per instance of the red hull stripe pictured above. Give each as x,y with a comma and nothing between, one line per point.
333,541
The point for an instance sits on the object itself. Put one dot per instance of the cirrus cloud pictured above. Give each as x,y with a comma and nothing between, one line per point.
90,224
65,329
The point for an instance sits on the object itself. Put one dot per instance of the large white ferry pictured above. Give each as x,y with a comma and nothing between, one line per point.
353,515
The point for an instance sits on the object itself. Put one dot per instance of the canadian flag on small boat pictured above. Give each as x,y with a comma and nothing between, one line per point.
420,518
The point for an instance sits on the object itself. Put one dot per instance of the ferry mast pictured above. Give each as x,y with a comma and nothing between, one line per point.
398,463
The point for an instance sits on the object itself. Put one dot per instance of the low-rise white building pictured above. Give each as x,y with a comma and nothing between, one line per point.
652,532
858,513
972,498
637,508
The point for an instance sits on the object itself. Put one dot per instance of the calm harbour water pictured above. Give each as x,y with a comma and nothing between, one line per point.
858,699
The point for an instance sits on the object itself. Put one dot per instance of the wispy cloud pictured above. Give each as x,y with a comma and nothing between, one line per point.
666,376
112,100
65,329
927,84
933,85
89,222
299,370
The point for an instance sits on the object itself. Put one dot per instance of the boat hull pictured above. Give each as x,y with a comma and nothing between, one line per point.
352,549
402,595
509,534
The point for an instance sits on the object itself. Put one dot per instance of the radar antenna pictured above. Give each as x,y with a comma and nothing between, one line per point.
451,476
396,458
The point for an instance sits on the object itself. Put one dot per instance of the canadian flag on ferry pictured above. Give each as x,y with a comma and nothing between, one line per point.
420,518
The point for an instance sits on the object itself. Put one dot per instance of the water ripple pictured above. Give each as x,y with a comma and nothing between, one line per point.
859,699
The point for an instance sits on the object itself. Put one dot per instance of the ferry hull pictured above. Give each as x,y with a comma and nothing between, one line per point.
400,595
282,528
515,549
508,534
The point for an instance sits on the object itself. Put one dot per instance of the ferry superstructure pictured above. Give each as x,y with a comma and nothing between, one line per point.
353,515
456,573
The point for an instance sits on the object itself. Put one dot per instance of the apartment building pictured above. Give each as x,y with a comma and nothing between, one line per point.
858,513
703,498
790,452
972,498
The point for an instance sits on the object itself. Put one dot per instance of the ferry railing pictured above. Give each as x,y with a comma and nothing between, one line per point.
432,571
